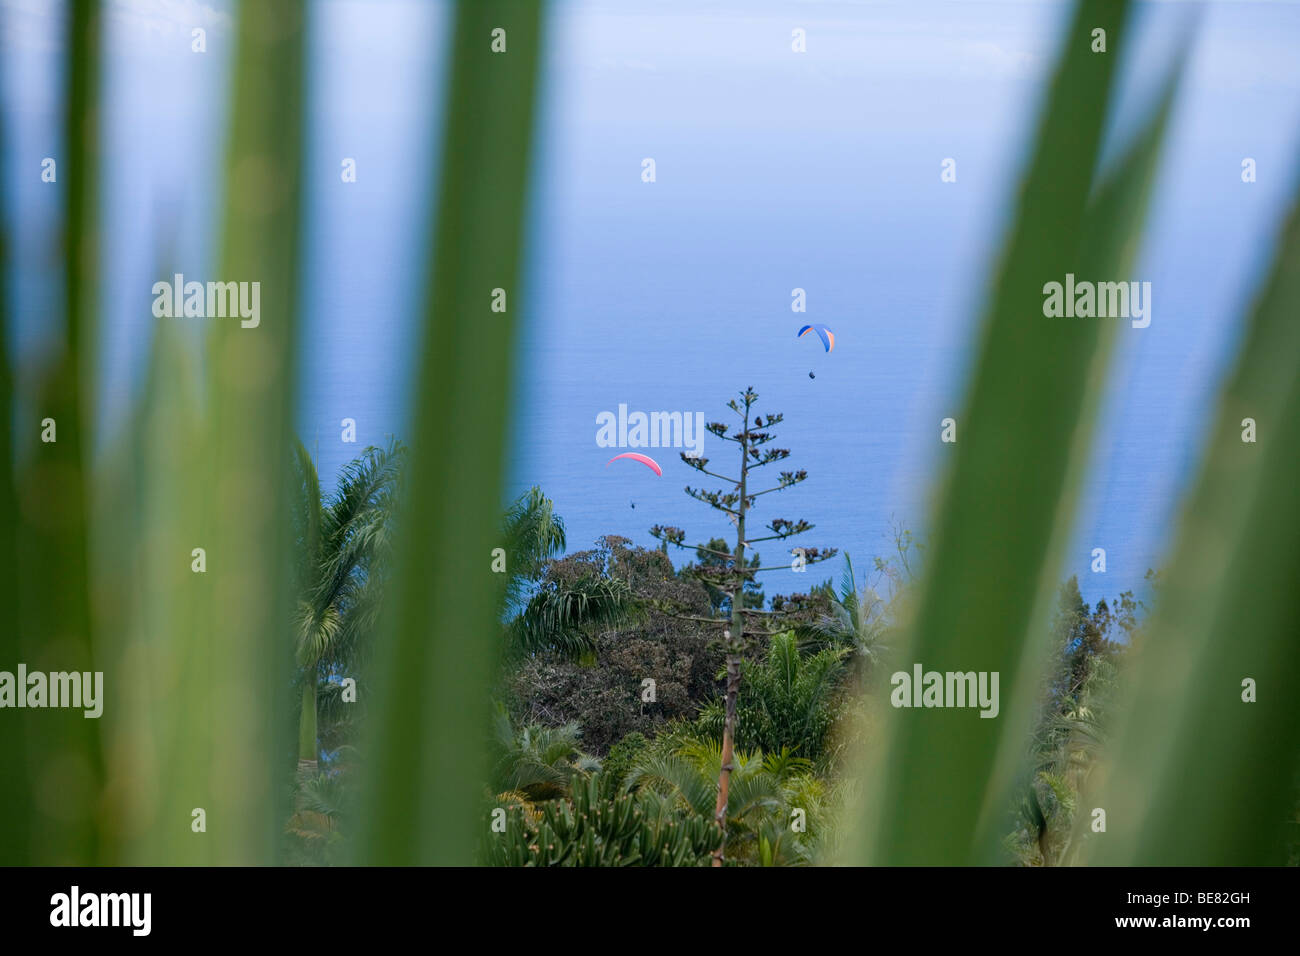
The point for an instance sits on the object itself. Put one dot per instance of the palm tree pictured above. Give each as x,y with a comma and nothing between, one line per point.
533,534
791,702
546,613
566,617
1067,750
856,620
537,762
343,547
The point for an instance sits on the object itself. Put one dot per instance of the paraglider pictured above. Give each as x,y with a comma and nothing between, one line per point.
823,333
644,459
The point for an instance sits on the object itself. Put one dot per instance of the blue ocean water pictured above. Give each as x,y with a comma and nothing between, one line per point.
774,171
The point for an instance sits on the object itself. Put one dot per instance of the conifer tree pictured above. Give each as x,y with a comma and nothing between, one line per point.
730,573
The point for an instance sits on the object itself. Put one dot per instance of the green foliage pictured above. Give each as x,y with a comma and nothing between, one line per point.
340,722
567,618
593,830
552,687
622,757
764,792
45,533
789,699
343,550
539,762
1292,827
549,611
857,619
15,794
730,573
324,814
90,564
532,533
1072,734
199,462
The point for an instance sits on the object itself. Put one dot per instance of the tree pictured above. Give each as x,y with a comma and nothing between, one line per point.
554,685
343,550
538,762
856,618
790,703
1072,727
569,603
1081,635
733,573
533,534
566,618
710,556
546,611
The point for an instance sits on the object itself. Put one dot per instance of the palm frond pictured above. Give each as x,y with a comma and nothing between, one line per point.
567,619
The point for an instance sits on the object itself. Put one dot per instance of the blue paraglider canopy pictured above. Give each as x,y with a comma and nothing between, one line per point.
823,333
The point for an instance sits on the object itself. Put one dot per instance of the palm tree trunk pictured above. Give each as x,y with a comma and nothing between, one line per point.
307,724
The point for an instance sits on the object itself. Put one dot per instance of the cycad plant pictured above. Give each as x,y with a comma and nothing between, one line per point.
766,790
591,829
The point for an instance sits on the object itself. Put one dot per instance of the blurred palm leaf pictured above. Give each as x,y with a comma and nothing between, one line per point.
15,785
58,763
1199,775
434,667
935,791
205,721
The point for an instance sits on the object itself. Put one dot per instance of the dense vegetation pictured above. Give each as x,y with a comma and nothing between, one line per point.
607,741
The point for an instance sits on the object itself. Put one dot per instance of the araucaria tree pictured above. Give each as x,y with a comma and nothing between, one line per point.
731,573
